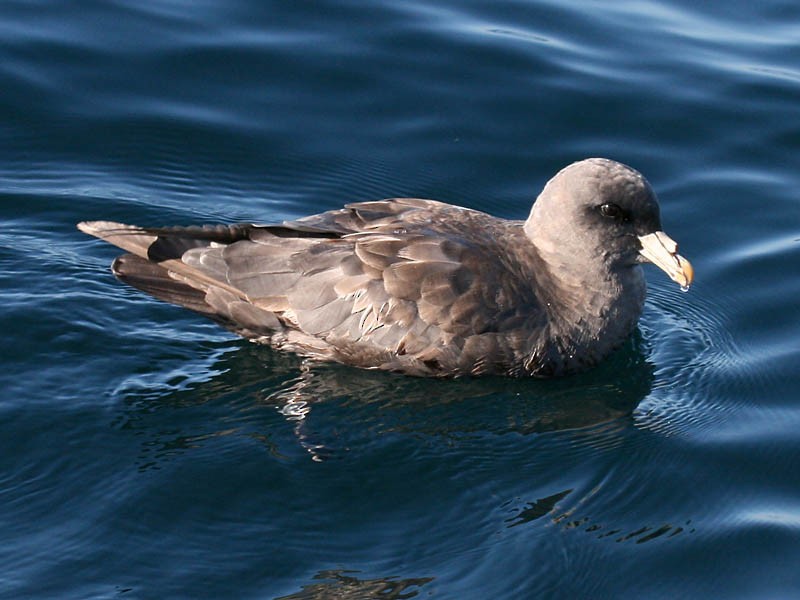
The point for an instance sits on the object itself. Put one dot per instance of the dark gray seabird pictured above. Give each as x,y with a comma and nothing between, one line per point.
422,287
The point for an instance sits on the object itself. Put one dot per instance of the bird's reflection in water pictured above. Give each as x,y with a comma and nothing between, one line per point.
463,406
248,379
345,585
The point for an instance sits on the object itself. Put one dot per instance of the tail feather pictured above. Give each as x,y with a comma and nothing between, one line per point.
231,312
163,243
157,281
164,247
154,265
128,237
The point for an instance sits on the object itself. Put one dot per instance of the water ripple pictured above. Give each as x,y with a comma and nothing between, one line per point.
146,452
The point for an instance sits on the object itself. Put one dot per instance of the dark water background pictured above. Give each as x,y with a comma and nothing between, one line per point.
145,453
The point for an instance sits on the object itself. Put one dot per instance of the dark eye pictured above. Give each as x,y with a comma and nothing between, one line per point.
611,210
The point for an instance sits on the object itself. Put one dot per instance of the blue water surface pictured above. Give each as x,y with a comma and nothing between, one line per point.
147,453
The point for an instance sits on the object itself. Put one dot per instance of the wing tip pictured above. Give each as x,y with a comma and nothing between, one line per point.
101,229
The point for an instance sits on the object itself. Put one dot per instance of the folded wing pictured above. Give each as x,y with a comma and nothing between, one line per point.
373,284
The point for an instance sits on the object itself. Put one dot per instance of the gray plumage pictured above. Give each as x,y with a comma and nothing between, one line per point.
419,286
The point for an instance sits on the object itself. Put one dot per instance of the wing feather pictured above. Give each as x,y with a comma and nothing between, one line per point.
374,281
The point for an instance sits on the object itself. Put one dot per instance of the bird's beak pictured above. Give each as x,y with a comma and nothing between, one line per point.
662,251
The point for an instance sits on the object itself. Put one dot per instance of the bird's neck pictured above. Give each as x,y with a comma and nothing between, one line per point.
597,309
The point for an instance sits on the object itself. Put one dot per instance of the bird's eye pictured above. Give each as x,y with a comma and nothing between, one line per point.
611,210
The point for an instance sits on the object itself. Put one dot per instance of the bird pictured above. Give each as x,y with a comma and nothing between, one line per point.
422,287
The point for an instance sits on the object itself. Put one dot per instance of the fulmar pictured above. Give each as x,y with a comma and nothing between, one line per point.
422,287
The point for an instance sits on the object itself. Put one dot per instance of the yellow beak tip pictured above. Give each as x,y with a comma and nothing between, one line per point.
686,271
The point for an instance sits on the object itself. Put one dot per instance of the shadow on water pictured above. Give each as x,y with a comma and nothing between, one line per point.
344,585
257,392
554,508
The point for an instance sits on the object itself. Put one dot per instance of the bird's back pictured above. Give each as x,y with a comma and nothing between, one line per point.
410,285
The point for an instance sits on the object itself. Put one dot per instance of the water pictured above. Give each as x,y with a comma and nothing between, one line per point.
145,453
